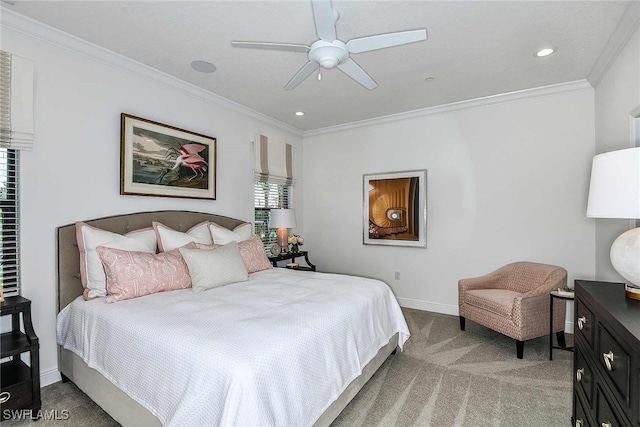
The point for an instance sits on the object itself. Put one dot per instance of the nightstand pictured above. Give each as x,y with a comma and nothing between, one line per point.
20,384
292,256
562,345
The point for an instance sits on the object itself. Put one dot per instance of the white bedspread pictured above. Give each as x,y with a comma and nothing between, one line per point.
273,351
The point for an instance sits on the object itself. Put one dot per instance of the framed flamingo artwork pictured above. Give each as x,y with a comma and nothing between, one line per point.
165,161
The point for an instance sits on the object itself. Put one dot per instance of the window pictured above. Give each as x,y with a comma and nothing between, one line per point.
266,197
9,215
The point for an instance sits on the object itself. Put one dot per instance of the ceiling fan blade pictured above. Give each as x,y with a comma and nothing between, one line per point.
366,44
324,19
304,72
353,70
273,46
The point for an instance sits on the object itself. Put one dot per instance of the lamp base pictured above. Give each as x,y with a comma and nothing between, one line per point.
625,256
632,292
283,239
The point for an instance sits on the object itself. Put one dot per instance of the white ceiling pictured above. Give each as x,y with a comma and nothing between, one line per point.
474,49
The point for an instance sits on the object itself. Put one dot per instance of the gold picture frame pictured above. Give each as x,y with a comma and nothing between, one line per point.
165,161
395,209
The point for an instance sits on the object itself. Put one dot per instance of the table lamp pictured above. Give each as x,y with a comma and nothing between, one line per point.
282,219
614,192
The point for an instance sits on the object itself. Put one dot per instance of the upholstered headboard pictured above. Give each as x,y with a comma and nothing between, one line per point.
68,265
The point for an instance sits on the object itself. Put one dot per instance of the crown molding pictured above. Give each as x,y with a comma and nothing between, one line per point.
32,28
560,88
628,24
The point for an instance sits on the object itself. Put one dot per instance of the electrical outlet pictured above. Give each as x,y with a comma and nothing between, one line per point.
397,276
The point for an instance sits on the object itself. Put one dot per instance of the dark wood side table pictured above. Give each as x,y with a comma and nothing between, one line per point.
562,345
292,256
20,383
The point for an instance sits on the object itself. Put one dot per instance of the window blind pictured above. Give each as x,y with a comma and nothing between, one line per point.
16,102
9,223
273,161
269,196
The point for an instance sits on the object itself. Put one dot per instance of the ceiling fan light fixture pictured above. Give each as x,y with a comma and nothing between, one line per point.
546,51
328,55
329,52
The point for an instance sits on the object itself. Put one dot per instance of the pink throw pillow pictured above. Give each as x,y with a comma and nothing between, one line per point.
252,253
135,274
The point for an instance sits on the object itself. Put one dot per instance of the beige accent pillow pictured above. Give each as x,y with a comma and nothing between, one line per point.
213,268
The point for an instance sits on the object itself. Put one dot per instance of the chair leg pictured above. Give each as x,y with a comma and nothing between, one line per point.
519,349
560,337
462,319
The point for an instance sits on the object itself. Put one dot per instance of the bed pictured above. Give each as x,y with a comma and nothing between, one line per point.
209,374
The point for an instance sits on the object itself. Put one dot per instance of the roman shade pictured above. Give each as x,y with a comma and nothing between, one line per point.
273,161
16,102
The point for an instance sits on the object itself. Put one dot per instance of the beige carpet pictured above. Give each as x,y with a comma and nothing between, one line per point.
443,378
446,377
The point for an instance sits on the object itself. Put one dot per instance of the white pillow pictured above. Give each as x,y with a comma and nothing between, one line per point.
222,236
170,239
213,268
89,238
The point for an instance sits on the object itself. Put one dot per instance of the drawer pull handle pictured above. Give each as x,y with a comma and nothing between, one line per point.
5,396
581,322
608,359
579,422
579,374
606,424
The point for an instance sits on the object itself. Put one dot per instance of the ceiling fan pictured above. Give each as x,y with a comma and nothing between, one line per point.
329,52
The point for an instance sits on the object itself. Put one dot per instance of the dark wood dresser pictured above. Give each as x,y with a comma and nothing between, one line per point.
606,385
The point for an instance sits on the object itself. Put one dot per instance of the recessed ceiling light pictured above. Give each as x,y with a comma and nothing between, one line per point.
546,51
429,79
299,113
203,66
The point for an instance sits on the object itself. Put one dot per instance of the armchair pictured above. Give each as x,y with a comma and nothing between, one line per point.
514,300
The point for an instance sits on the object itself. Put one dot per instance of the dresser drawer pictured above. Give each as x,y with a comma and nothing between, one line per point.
616,364
581,419
19,396
583,376
585,321
606,416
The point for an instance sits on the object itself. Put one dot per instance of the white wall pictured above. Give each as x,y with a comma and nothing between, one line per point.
506,182
617,96
74,171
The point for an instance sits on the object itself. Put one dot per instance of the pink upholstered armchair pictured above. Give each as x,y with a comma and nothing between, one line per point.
514,300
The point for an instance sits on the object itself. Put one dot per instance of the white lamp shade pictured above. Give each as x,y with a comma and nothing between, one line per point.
282,218
614,191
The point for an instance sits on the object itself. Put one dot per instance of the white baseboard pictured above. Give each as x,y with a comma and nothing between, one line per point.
568,327
49,377
436,307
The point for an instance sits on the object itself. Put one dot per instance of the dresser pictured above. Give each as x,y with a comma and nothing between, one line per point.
606,384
